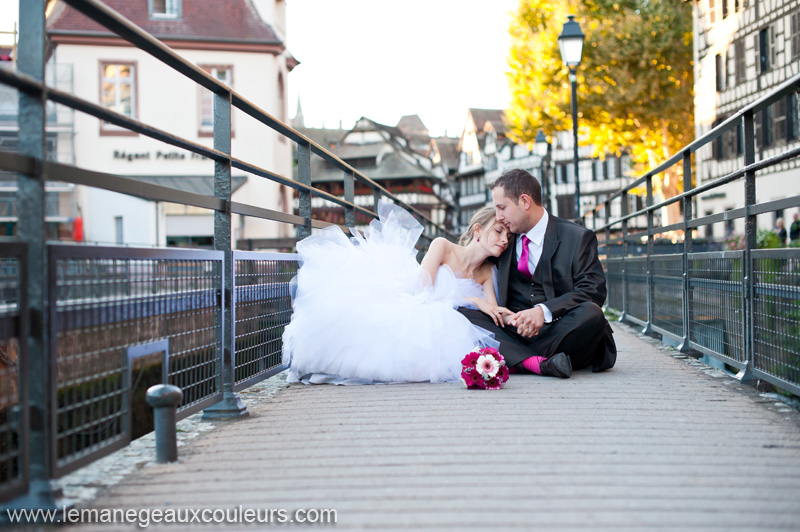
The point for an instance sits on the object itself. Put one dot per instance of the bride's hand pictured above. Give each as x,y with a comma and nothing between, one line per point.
498,314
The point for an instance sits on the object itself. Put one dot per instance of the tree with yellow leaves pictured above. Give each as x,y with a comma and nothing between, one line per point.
634,82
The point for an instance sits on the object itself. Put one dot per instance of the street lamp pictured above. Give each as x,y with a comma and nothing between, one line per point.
571,43
542,148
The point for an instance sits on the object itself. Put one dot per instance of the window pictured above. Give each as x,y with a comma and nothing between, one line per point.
712,11
779,120
719,62
793,120
724,8
765,49
225,75
118,93
741,73
795,35
164,8
763,122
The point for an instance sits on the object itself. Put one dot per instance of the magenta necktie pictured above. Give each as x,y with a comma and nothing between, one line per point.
523,267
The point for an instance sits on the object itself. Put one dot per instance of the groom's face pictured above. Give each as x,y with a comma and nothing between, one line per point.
508,213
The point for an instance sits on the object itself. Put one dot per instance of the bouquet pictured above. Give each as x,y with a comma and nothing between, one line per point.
484,369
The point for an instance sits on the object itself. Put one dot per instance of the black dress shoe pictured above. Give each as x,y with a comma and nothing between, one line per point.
558,365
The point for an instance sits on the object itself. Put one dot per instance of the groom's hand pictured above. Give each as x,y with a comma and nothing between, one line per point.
528,322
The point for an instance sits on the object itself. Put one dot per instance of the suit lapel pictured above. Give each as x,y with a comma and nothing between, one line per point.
548,249
504,270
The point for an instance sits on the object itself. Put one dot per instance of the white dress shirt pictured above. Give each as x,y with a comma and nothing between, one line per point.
536,237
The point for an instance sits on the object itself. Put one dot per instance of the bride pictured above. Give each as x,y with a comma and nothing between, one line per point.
366,312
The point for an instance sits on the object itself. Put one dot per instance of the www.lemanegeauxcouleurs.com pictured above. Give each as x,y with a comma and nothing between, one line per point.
146,516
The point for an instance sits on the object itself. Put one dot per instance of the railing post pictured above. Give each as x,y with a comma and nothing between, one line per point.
688,307
42,492
376,198
649,260
230,406
349,195
624,208
751,243
304,197
607,217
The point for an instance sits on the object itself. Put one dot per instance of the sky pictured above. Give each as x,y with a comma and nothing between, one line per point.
383,60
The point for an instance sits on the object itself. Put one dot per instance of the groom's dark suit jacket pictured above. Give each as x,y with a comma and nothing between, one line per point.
571,274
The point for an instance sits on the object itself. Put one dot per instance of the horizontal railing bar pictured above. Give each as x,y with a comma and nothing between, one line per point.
104,15
118,24
79,251
785,253
733,176
634,319
21,82
28,85
242,165
777,381
249,381
717,355
264,255
663,332
783,90
775,205
248,293
278,216
776,290
705,255
249,108
131,187
732,214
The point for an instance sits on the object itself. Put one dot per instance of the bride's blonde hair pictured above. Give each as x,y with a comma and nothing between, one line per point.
484,217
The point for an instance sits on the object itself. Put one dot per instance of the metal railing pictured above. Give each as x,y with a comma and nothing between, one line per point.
741,307
91,320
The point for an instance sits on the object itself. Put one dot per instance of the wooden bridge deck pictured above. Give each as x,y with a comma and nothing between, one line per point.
654,444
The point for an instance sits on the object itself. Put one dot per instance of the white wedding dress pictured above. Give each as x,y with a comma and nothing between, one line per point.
363,313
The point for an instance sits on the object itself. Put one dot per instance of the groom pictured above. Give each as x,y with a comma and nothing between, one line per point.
550,277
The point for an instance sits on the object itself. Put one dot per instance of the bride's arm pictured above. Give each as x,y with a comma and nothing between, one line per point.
488,303
434,258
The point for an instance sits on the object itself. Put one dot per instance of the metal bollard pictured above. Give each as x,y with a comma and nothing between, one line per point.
165,398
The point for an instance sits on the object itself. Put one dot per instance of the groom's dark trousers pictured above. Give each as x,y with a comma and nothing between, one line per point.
569,280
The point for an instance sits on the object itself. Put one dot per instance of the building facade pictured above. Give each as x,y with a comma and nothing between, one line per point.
239,42
404,159
743,49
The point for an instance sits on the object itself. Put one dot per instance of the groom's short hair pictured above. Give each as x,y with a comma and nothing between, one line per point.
517,182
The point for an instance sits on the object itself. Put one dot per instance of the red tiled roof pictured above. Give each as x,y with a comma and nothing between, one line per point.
207,20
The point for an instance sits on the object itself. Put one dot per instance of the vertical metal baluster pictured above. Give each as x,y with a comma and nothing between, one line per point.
31,229
304,199
750,230
649,261
376,198
688,307
349,195
607,217
624,206
230,406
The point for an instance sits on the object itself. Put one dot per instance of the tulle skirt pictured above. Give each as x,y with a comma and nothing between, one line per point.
365,312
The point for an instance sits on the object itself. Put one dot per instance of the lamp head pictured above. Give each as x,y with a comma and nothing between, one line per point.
571,42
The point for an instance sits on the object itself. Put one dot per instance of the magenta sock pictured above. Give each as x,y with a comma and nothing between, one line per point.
532,364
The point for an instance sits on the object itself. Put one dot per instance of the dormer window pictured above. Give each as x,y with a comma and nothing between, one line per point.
164,8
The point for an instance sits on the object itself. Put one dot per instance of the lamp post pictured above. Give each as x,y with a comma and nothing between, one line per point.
542,148
571,43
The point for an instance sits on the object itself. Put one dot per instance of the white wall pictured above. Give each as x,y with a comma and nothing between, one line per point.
169,101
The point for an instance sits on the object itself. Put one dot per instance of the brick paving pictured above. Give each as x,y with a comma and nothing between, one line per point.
657,443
